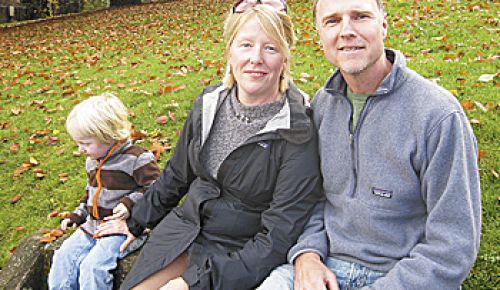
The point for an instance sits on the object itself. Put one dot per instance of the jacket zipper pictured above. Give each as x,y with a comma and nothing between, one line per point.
353,139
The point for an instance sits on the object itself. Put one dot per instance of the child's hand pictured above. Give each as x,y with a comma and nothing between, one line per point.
67,222
119,212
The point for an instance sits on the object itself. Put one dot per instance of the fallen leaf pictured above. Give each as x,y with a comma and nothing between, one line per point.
14,148
481,154
15,199
487,77
172,116
475,121
165,90
16,111
162,119
56,233
19,228
63,177
306,76
64,214
33,161
481,106
47,240
181,87
51,140
53,214
21,169
138,135
440,38
39,173
467,105
157,149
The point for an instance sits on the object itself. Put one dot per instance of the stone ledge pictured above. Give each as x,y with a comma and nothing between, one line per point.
29,266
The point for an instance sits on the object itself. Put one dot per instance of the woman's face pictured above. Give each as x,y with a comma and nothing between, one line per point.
256,64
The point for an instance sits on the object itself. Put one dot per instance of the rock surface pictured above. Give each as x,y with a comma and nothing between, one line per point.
29,266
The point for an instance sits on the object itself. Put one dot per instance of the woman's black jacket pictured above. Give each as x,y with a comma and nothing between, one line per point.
238,227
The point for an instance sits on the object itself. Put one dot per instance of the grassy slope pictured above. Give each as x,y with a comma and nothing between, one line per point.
146,53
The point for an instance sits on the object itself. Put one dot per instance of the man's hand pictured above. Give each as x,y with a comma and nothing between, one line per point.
116,226
119,212
312,274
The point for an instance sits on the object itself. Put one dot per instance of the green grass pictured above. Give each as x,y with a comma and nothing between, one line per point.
143,53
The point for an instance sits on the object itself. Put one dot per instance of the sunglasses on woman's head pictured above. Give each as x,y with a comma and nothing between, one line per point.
241,5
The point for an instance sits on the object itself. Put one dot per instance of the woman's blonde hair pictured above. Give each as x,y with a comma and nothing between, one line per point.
276,24
104,117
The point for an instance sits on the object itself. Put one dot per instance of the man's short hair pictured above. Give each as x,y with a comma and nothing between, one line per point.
380,5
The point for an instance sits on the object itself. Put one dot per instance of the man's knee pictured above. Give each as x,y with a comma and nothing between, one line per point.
280,278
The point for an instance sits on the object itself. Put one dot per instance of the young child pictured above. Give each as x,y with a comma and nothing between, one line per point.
118,174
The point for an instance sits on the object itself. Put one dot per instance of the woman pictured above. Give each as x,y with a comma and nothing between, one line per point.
247,164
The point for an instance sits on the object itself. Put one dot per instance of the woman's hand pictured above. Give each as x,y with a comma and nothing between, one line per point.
115,226
176,284
119,212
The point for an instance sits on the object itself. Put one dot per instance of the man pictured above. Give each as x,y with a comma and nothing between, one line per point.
402,205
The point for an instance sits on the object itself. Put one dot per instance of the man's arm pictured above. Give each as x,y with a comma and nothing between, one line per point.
450,188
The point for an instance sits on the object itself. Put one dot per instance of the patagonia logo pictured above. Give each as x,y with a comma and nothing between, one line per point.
382,192
263,144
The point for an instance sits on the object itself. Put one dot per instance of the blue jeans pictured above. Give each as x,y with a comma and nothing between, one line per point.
350,276
86,263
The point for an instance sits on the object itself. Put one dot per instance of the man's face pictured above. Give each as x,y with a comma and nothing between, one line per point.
352,34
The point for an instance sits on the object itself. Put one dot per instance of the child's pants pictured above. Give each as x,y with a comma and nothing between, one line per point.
86,263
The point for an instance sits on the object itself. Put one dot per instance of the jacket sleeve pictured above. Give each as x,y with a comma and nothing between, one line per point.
145,172
314,238
297,190
450,188
79,215
164,194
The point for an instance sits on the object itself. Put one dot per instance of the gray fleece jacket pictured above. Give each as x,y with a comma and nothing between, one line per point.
402,188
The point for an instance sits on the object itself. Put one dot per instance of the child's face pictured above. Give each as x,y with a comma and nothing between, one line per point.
92,147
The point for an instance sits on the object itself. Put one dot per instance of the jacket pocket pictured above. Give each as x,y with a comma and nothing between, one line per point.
224,217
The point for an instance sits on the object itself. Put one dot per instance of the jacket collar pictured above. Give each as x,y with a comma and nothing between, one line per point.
337,84
292,122
124,145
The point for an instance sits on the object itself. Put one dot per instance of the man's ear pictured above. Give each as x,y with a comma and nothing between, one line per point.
385,25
